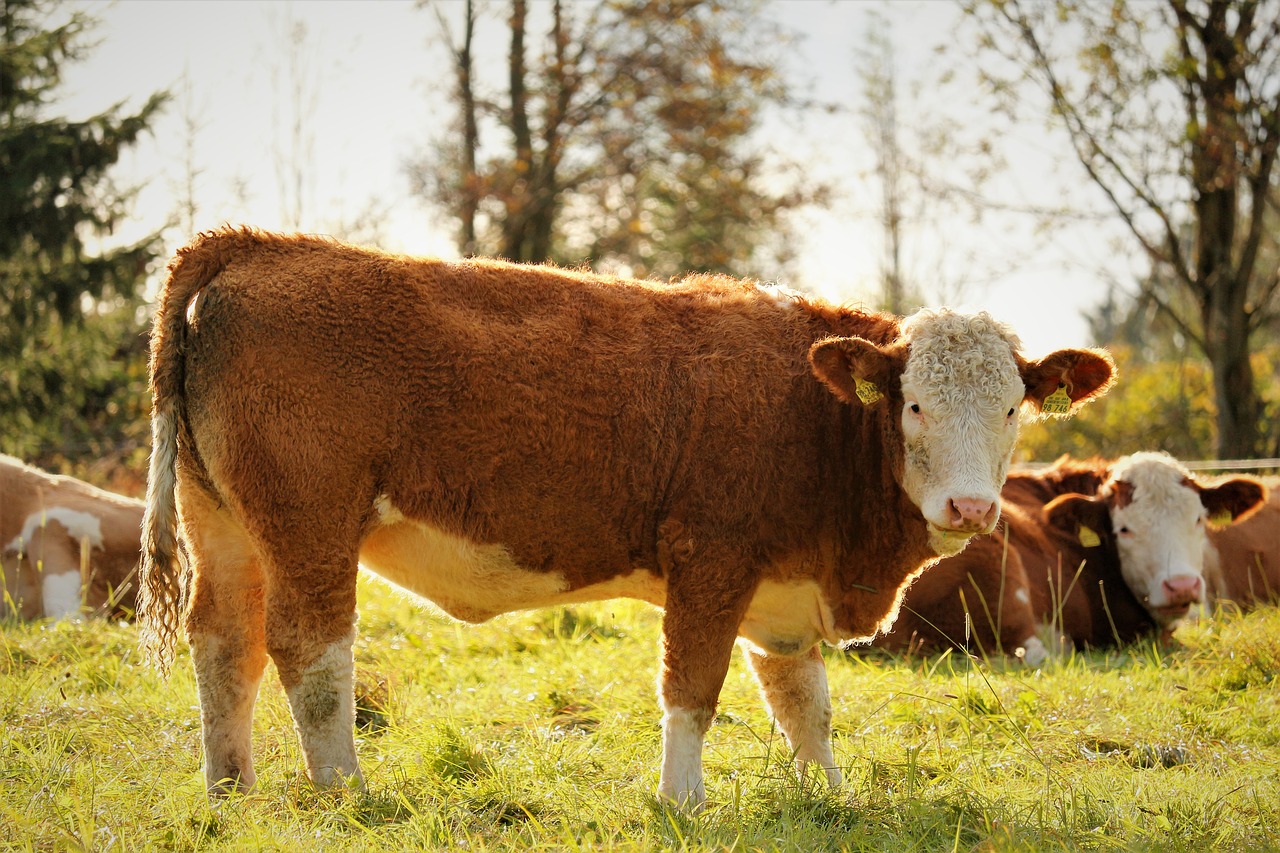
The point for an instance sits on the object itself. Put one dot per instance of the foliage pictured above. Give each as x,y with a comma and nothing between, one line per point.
1174,115
632,139
487,746
1159,405
69,318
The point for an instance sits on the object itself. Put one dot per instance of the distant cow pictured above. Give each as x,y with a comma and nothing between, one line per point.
497,437
1100,553
1242,561
66,547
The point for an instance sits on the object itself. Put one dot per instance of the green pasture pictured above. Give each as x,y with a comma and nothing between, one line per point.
540,731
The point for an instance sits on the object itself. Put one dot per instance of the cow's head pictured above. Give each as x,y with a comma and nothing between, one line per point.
952,387
1153,513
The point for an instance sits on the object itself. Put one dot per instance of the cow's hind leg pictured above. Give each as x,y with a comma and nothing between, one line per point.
225,627
795,691
310,629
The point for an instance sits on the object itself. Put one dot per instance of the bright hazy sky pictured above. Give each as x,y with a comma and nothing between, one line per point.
372,98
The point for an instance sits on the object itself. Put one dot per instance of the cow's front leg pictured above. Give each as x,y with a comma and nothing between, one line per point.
698,632
795,691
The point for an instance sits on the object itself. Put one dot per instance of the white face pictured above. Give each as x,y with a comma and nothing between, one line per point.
1160,535
961,398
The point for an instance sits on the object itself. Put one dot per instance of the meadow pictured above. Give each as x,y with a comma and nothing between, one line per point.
540,731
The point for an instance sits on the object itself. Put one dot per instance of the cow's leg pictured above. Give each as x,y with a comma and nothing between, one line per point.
225,628
310,631
699,627
55,557
795,691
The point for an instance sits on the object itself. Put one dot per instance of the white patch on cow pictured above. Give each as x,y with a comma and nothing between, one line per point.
782,296
61,593
962,393
79,525
796,693
789,617
1022,595
475,582
324,711
1160,534
1032,652
683,731
387,514
227,696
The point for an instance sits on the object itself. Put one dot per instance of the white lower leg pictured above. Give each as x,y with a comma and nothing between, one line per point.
324,712
1033,651
683,730
227,683
795,690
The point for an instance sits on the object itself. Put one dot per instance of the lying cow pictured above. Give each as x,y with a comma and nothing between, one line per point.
1242,561
66,547
497,437
1101,553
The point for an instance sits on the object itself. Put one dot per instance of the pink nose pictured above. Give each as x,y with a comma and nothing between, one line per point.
1182,589
971,513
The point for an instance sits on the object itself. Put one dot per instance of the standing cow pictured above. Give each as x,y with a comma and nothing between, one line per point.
497,437
1098,552
65,546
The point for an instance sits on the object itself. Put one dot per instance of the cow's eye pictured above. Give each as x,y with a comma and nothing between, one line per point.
915,408
1010,414
1124,531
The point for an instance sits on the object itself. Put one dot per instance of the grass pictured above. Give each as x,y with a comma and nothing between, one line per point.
540,732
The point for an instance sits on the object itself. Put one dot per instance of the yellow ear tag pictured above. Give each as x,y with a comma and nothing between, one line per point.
868,393
1221,519
1088,538
1057,403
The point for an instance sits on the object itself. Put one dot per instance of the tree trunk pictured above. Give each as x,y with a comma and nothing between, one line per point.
1216,168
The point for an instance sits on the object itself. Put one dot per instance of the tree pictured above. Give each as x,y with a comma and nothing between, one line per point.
72,353
1174,113
625,139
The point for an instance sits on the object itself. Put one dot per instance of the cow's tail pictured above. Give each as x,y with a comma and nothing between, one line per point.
162,581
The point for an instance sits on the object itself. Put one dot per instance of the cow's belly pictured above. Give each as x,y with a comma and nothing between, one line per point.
474,582
788,618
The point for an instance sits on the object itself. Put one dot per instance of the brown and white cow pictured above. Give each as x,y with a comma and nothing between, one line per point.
1097,552
1242,560
496,437
66,547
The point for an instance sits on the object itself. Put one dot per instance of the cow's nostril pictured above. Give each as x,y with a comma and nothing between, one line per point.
971,513
1182,589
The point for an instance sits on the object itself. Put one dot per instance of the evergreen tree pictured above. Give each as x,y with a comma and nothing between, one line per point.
72,343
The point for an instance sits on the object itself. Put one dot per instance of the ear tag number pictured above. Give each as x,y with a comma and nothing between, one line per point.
1057,403
1088,538
868,393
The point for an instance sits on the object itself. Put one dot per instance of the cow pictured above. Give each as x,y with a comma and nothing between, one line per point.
1242,560
66,547
498,437
1098,553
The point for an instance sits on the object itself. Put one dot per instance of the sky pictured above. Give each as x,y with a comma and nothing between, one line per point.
372,96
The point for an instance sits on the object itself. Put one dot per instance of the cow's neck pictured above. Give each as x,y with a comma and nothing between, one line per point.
874,539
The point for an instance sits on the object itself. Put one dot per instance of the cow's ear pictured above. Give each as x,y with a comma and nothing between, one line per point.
1230,500
1065,380
855,369
1085,519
